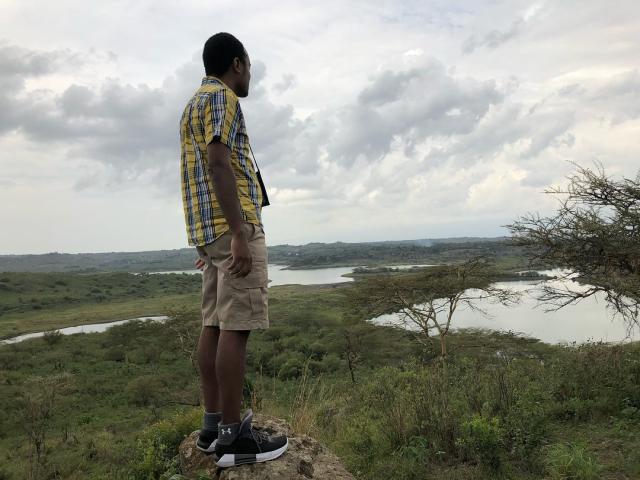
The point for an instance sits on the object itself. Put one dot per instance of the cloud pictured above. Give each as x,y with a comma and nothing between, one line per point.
619,95
288,81
409,107
414,132
495,38
18,62
369,120
413,111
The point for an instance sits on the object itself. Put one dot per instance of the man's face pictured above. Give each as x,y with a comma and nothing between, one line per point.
245,77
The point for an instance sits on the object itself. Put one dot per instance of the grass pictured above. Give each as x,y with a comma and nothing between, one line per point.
68,316
32,302
121,401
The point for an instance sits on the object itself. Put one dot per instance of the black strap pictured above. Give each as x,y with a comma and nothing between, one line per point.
265,198
254,158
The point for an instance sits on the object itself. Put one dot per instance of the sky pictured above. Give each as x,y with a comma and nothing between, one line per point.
370,120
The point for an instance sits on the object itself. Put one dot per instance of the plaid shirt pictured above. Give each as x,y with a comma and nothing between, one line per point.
214,113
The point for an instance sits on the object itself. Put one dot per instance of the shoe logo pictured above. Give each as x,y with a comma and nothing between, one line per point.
228,431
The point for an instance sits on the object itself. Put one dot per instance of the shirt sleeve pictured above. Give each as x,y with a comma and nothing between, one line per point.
221,118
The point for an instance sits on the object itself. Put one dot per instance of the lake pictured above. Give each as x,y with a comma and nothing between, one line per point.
279,276
581,322
587,320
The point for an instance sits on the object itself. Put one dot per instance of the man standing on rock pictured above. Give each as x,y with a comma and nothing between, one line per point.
222,197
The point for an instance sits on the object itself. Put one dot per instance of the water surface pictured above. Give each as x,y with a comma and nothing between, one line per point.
588,320
88,328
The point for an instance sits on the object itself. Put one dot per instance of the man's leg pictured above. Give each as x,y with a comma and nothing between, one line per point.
207,350
230,366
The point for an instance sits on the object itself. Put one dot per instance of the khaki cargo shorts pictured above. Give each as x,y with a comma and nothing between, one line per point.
235,303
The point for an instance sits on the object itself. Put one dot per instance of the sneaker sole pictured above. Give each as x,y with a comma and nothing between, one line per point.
210,449
234,459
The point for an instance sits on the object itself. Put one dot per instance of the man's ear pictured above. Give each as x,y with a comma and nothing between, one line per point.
237,65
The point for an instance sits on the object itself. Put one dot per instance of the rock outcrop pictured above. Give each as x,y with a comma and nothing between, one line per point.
305,459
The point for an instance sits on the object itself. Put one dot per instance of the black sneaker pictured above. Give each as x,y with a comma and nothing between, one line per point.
207,441
250,445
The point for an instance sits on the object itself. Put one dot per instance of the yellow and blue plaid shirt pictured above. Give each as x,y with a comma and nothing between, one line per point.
214,113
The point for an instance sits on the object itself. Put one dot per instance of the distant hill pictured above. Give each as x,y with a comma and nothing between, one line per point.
310,255
425,242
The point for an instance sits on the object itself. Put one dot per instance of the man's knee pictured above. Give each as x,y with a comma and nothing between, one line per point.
236,333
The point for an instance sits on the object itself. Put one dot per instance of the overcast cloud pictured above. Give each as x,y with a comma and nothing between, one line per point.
369,120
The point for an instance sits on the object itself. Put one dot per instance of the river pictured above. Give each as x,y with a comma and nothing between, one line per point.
587,320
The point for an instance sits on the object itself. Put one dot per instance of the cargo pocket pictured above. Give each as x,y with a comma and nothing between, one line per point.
257,303
248,291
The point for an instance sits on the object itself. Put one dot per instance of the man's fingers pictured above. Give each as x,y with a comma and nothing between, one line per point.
245,271
233,266
240,268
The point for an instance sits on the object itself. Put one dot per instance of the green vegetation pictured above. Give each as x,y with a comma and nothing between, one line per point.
31,302
317,255
311,255
116,405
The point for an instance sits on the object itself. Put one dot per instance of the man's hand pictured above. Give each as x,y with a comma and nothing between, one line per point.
200,264
241,265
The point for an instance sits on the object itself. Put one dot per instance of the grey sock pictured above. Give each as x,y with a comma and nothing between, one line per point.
211,420
227,433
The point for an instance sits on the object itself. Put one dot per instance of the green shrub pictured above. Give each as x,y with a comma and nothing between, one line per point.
481,440
596,378
156,452
526,424
364,447
144,391
292,368
575,408
413,457
116,354
272,333
317,350
316,366
416,401
571,462
331,362
286,364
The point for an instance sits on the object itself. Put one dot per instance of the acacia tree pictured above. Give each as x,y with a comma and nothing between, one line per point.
351,352
595,236
37,400
427,301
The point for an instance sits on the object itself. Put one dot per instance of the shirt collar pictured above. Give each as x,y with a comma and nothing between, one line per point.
211,80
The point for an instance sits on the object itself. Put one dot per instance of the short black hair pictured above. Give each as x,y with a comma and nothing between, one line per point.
219,52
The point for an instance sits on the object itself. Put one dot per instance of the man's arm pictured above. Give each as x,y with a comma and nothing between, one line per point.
224,185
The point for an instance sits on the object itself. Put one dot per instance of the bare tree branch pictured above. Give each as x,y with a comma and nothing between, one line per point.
595,236
427,301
